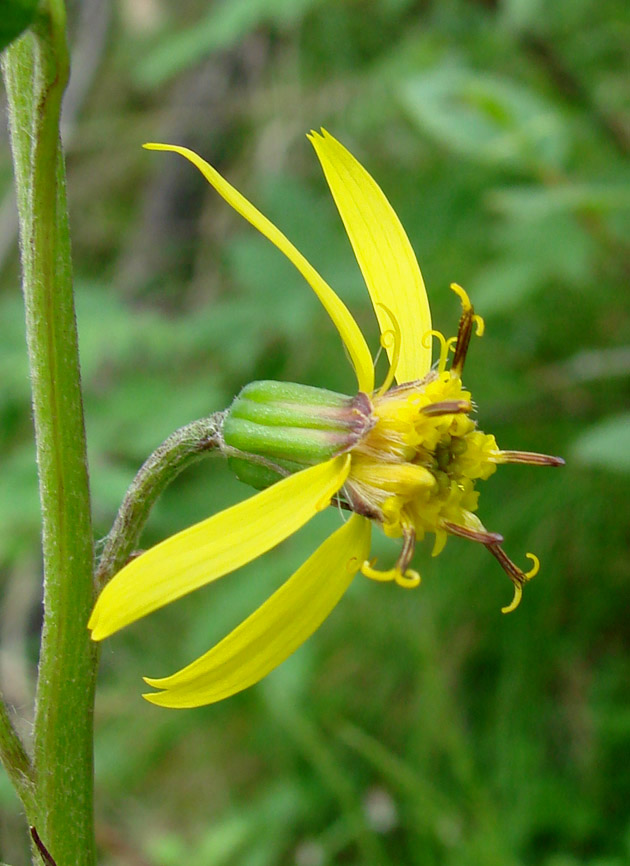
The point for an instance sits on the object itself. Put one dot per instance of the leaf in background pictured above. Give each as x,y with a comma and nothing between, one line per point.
274,302
531,255
223,26
220,844
15,16
13,361
256,836
486,118
19,502
605,444
522,14
536,202
505,284
132,416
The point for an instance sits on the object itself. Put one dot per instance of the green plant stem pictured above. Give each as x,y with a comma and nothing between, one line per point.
36,72
182,448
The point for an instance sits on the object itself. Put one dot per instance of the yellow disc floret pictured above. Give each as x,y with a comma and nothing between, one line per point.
415,469
418,464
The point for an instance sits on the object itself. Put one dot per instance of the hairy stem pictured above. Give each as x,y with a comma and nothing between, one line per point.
182,448
36,73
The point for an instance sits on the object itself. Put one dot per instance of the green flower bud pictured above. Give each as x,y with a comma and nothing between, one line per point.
273,429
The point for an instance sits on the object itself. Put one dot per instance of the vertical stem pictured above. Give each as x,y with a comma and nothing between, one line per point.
36,72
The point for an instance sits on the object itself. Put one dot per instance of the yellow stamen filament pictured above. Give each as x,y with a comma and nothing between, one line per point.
467,307
535,567
390,339
463,296
445,346
407,579
367,570
518,583
518,595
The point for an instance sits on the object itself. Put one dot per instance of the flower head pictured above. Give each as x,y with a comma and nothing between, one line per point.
406,456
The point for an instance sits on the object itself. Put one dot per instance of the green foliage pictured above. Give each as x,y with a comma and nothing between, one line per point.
414,728
222,27
606,444
486,118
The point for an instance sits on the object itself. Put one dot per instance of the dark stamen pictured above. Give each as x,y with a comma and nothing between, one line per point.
516,575
408,548
532,458
492,541
464,333
347,502
483,537
447,407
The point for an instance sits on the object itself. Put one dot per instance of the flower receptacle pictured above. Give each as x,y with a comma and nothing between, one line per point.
273,429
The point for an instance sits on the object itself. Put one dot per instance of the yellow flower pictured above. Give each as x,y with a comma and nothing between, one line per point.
409,463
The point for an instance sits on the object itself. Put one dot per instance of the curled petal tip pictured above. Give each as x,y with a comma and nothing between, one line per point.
163,698
154,698
96,633
274,631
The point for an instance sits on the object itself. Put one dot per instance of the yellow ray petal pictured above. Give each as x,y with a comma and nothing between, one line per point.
387,261
276,629
342,318
215,546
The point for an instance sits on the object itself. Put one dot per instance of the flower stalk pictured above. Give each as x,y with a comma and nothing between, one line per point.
182,448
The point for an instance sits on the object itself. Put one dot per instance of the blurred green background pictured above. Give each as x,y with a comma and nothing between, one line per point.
414,728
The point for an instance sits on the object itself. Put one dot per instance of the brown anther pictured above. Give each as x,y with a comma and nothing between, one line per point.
531,458
447,407
516,575
408,548
464,333
349,499
481,536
